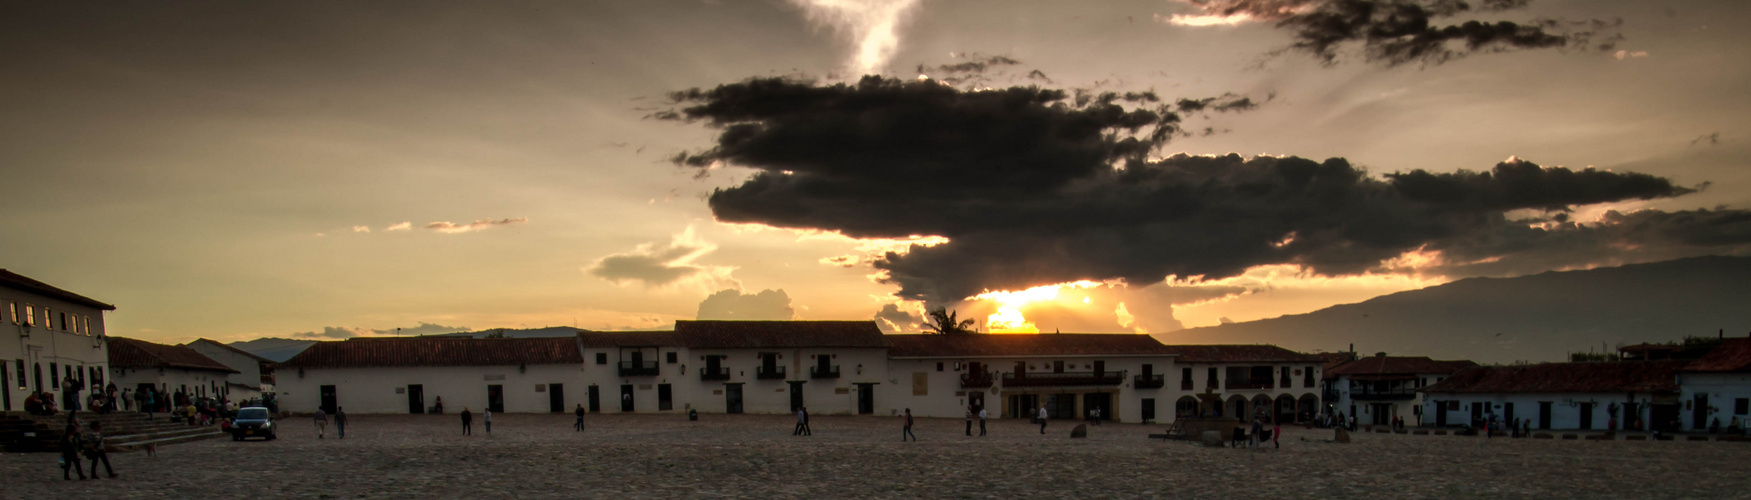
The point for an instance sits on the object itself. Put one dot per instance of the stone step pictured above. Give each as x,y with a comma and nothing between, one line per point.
163,441
121,439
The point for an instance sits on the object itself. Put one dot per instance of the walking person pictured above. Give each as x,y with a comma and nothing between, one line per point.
70,444
969,420
94,450
579,425
981,422
806,430
907,431
467,422
1276,432
1257,427
486,419
340,421
798,431
1042,419
321,422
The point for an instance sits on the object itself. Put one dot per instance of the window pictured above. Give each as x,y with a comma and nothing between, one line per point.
1210,379
673,358
48,319
1283,377
1185,379
12,311
54,375
87,325
601,358
29,315
63,322
1307,377
939,366
21,385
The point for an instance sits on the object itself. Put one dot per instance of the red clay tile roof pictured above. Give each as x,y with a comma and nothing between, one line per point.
438,351
1734,355
779,334
19,282
629,339
1398,365
981,345
1236,353
1617,377
258,359
131,353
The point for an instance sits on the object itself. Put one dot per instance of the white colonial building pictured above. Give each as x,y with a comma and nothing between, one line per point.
1716,389
1377,389
1634,395
1246,381
54,342
830,367
255,374
167,369
411,375
1012,376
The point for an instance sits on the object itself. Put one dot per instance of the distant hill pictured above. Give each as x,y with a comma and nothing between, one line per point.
1540,317
276,349
527,333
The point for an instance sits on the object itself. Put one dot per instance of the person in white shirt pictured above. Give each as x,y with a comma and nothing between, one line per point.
486,418
981,422
1042,419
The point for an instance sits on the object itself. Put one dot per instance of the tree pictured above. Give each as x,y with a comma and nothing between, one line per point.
944,322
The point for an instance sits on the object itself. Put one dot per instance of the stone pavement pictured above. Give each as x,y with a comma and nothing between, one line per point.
754,456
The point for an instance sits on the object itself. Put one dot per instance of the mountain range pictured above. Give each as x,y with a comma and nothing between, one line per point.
1533,318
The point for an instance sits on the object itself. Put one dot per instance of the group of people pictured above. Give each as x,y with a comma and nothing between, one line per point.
87,442
486,419
340,422
1518,428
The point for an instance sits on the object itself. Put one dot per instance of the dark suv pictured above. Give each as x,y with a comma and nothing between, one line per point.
251,422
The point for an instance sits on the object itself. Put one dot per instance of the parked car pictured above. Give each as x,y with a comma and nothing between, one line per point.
254,421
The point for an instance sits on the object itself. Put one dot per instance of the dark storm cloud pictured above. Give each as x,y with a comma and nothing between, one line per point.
1403,31
1033,186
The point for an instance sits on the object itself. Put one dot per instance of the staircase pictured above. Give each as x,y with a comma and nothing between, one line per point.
122,431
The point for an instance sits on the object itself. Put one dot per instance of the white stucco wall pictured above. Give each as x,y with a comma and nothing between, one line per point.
1566,409
1722,389
945,398
373,390
249,369
39,344
170,380
1296,389
1402,408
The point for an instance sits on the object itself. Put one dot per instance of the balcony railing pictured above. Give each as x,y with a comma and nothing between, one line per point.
769,373
718,374
1156,381
638,368
1062,379
830,372
976,380
1233,384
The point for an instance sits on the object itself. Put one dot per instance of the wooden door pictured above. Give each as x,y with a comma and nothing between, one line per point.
416,399
626,397
665,397
328,401
556,398
1699,412
796,396
732,398
1544,414
1586,416
865,399
495,398
595,396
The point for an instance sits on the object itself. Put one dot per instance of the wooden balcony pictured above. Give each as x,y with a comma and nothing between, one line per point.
1155,381
977,380
638,369
769,373
1062,379
830,372
706,374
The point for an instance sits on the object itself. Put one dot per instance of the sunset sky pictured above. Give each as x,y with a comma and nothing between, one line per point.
233,170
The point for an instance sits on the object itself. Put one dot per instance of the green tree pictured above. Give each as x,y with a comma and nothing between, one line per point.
945,322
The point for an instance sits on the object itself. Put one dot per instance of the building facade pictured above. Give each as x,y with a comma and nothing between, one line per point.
167,369
1120,377
1246,381
1716,389
255,374
54,342
1380,388
412,375
1633,395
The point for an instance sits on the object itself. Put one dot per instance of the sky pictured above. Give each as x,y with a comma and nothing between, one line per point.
234,170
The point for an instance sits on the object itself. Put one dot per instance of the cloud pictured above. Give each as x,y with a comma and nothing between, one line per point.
448,227
664,265
732,304
346,332
361,229
891,319
1396,32
1624,54
873,26
401,226
1031,186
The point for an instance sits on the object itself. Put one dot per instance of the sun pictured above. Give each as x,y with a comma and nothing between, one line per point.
1009,319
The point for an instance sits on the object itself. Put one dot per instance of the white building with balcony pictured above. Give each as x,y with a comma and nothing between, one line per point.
54,342
1123,376
1246,381
1379,388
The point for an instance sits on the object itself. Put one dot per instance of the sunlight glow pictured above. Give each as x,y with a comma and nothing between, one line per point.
1009,319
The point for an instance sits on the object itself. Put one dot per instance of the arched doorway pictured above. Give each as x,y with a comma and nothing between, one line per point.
1285,409
1237,407
1261,407
1309,407
1186,407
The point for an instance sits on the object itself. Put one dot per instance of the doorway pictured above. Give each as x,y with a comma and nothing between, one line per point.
976,399
1440,413
865,399
1477,414
1508,413
1380,413
329,400
796,395
39,377
732,398
626,397
1586,416
1023,406
665,397
1699,412
1148,408
1097,401
595,398
495,398
416,399
556,398
5,389
1663,417
1544,414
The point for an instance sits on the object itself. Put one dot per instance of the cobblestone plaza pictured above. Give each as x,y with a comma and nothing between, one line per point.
755,456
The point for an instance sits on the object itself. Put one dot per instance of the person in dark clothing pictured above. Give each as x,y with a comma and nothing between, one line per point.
70,444
94,450
969,420
907,431
806,430
798,430
981,422
579,425
340,421
467,422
